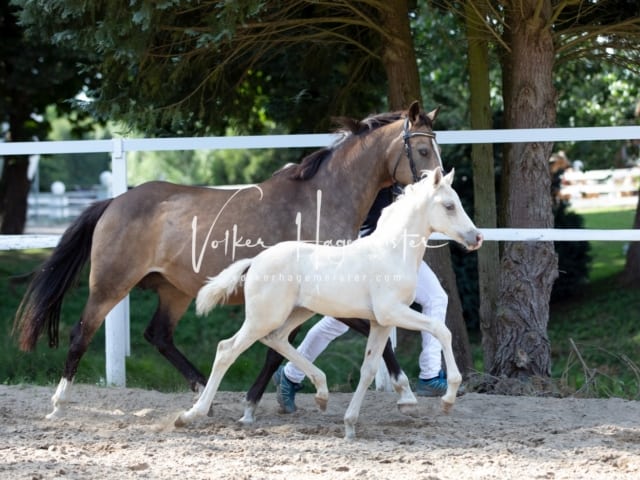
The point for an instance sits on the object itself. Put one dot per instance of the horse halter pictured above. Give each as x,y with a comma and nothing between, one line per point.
406,135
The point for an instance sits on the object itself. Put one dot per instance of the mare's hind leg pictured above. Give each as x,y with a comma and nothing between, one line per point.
378,335
407,400
93,315
172,303
255,393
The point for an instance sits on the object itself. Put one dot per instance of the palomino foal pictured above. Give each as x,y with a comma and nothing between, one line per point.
372,278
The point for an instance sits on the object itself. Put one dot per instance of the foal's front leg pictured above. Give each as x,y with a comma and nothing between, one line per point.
407,400
404,317
378,336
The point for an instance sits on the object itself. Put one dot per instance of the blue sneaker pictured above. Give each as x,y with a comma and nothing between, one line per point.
435,387
285,391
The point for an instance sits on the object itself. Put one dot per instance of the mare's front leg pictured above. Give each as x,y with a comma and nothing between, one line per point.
255,393
378,337
407,401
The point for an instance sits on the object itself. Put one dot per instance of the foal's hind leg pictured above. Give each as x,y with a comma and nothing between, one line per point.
227,352
375,344
256,391
399,380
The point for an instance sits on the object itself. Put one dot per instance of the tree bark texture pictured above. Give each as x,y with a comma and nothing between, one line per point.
528,269
398,56
484,194
400,65
14,190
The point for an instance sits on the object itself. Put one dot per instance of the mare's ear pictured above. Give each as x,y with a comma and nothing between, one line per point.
414,112
449,176
434,113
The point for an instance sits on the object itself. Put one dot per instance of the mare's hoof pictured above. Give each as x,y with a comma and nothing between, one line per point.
247,420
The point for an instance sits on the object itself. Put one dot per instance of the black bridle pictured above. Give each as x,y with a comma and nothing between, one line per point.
406,135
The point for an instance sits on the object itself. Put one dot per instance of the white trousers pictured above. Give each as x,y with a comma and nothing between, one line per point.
429,295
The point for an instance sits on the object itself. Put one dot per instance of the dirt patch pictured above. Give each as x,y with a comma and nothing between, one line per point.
113,433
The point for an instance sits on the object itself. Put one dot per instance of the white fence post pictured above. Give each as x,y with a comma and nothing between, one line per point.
117,339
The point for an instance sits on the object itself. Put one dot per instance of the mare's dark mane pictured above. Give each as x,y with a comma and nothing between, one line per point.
349,128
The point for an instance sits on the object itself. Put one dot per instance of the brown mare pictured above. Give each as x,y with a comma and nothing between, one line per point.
170,238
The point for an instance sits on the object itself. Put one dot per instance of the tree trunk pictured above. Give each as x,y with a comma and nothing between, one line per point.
404,87
528,269
631,275
484,193
14,184
14,190
398,56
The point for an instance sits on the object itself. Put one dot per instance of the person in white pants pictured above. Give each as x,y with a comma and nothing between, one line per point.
431,382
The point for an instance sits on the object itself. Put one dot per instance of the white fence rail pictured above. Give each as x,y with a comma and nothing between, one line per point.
117,322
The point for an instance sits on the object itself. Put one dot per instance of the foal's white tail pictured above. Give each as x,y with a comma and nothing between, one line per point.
218,288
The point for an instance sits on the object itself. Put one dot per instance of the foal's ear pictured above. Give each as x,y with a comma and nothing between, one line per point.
449,176
434,113
414,112
437,176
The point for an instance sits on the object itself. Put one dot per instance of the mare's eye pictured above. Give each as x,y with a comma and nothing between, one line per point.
423,151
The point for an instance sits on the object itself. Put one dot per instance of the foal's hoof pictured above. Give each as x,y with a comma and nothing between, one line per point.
409,409
446,406
322,403
55,414
180,421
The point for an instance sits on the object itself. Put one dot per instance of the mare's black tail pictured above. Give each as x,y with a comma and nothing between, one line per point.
42,302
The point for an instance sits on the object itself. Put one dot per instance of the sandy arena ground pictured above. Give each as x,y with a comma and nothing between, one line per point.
111,433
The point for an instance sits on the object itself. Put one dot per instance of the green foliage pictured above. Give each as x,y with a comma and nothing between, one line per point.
595,94
181,68
441,51
595,344
33,75
600,320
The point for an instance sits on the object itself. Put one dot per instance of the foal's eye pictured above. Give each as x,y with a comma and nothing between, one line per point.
450,207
